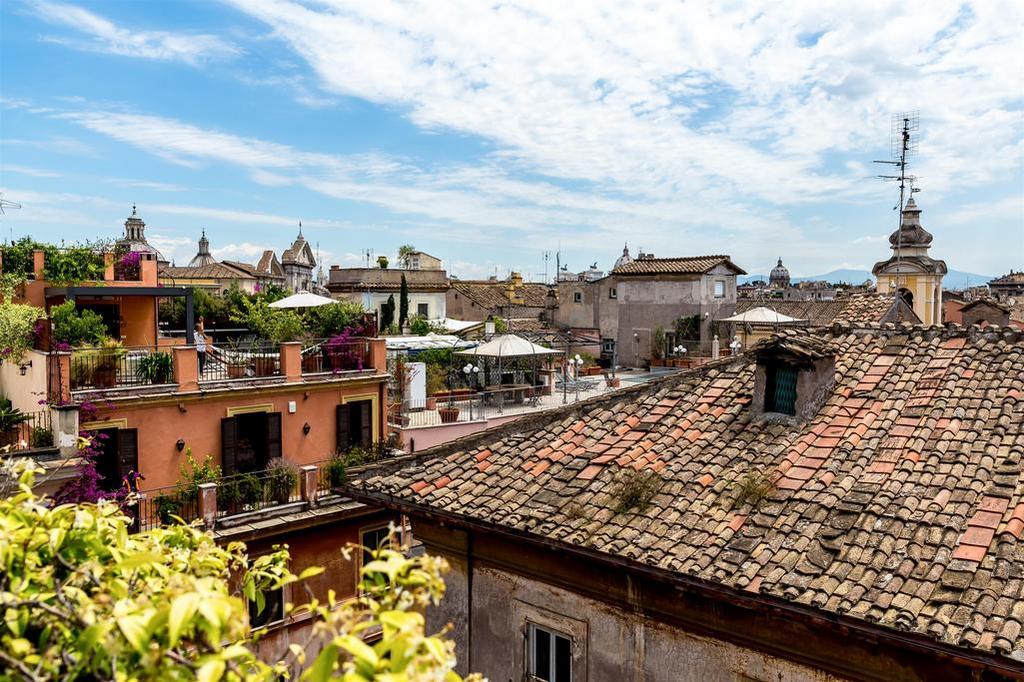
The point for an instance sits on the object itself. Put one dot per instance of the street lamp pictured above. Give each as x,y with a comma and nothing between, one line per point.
472,372
577,363
735,345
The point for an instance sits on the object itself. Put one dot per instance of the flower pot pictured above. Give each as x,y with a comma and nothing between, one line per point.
614,383
431,404
236,371
104,377
264,366
449,415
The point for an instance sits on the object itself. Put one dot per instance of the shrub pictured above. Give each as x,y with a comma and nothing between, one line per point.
155,368
77,327
336,471
635,490
269,323
71,265
328,320
752,488
10,416
419,326
282,477
17,329
40,437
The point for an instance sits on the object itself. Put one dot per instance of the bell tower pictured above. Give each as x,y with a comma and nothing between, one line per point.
910,271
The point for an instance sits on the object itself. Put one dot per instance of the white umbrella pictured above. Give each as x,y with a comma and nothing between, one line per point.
509,346
303,299
762,316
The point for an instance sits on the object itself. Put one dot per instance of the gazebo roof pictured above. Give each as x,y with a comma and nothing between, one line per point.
762,315
509,346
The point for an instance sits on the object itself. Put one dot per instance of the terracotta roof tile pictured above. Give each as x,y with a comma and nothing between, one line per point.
886,506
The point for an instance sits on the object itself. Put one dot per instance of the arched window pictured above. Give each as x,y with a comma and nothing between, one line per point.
907,296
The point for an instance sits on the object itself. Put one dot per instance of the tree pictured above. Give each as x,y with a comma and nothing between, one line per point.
85,599
77,327
387,312
403,302
405,253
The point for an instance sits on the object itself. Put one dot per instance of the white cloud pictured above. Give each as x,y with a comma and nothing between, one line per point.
31,172
240,251
102,35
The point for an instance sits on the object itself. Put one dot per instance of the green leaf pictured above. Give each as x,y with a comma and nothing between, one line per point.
310,572
211,671
183,609
134,630
140,559
323,666
363,655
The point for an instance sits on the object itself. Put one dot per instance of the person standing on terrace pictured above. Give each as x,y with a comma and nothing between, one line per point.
200,347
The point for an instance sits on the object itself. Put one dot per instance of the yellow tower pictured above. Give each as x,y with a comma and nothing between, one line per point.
910,272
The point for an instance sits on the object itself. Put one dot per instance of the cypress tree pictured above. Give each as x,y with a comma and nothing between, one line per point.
387,313
403,302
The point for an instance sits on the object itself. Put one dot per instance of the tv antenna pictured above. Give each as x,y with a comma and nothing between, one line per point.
903,144
368,255
546,255
5,204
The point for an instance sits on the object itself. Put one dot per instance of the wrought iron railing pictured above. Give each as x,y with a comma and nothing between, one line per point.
103,367
250,492
163,506
33,432
252,360
336,355
465,407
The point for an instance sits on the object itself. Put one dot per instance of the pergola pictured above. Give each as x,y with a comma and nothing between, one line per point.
72,293
504,358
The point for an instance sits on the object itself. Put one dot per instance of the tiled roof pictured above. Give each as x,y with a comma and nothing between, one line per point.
379,279
491,295
990,302
676,266
1011,278
857,309
211,271
900,501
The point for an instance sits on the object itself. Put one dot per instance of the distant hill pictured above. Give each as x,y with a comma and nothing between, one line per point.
955,279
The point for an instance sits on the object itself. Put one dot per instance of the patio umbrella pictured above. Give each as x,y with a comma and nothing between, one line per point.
762,316
508,346
303,299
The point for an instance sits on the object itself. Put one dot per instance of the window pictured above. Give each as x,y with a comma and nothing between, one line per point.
118,461
249,441
577,297
273,609
612,293
355,425
780,389
548,655
374,538
608,345
422,309
719,288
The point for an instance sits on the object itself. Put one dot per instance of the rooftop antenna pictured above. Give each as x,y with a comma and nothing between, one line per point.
903,144
4,204
546,255
368,255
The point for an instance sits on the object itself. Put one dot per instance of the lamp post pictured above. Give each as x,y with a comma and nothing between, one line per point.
679,350
735,345
472,372
576,363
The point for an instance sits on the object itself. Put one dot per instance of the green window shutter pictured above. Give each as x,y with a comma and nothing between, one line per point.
228,443
782,390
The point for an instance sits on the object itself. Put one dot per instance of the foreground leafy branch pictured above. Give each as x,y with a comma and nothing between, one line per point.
84,599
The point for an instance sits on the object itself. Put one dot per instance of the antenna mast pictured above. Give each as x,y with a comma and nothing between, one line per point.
367,254
903,144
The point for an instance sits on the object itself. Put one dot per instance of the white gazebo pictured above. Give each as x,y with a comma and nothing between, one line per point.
303,299
758,323
503,358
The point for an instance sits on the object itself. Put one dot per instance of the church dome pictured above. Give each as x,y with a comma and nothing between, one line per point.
779,277
203,257
910,233
624,259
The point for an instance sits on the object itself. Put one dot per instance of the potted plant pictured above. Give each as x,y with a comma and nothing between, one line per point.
264,364
449,414
236,359
336,471
282,477
155,368
11,420
107,359
658,347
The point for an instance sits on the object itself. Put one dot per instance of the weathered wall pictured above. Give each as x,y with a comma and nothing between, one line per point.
161,423
25,392
608,643
138,320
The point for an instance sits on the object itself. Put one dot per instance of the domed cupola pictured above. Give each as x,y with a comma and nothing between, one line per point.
779,277
911,233
203,257
624,259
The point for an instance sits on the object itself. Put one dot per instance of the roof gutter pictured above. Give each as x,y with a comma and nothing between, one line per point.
754,601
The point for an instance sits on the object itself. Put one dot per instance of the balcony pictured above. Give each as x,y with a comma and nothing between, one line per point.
118,371
237,499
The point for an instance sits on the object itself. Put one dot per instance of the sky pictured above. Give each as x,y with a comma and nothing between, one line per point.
493,134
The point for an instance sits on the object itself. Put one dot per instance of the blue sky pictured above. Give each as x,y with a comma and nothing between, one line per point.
487,134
